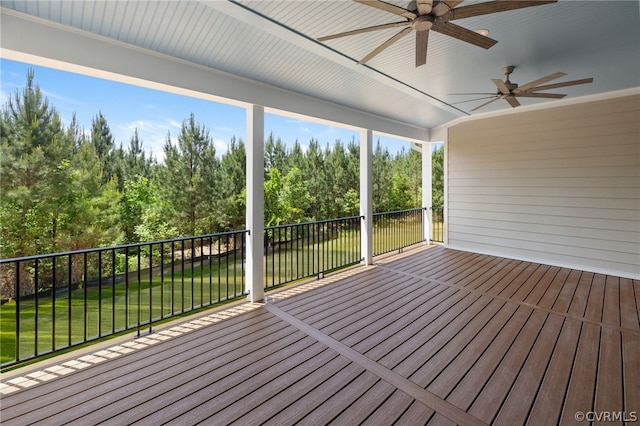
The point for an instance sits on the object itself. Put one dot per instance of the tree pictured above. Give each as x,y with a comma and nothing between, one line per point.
335,179
313,170
399,197
286,199
136,161
110,157
275,154
295,157
437,176
34,146
50,192
273,210
188,179
294,197
232,184
138,196
382,182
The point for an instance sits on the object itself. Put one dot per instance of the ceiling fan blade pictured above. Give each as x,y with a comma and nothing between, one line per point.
464,34
469,94
512,101
387,7
541,95
564,84
422,42
444,6
534,83
495,6
502,87
486,103
424,6
476,99
365,30
384,45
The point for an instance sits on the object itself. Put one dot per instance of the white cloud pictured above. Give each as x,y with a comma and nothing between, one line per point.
221,146
152,133
53,96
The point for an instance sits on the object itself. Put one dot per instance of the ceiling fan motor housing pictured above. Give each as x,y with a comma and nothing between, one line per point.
422,23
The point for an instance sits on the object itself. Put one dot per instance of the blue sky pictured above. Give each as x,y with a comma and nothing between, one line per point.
155,113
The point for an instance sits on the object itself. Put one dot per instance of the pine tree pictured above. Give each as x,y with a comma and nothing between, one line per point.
382,179
437,173
188,178
111,157
232,184
36,178
313,171
136,161
275,154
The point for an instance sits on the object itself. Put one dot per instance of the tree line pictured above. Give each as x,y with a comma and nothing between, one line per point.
66,188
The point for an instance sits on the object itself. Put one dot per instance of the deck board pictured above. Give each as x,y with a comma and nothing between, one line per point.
580,395
447,378
488,403
631,367
550,397
392,409
609,388
430,336
454,345
628,309
596,298
516,406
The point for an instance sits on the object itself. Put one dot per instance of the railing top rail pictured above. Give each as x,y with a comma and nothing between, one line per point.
313,222
400,211
124,246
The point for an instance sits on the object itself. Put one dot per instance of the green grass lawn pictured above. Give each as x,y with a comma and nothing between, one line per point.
122,306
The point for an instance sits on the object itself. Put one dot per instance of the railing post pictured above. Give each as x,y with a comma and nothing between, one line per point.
366,195
426,192
255,203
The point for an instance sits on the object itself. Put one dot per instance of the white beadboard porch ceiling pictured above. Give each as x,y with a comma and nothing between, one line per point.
274,42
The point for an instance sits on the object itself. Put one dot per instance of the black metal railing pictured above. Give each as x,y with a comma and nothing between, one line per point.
302,250
62,300
397,230
437,224
66,299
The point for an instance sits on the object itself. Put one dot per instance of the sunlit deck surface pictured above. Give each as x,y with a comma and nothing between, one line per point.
429,336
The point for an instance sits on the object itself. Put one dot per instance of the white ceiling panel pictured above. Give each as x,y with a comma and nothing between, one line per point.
274,42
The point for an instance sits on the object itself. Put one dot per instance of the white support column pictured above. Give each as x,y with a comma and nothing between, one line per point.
426,191
366,195
255,203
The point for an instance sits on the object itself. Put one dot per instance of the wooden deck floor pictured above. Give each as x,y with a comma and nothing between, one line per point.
431,336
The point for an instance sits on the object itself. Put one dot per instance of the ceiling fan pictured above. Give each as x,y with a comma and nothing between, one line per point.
509,91
435,15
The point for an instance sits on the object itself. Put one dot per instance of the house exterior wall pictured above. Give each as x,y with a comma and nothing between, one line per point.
559,185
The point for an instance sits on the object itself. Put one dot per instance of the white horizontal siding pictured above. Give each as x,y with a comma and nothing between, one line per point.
560,185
